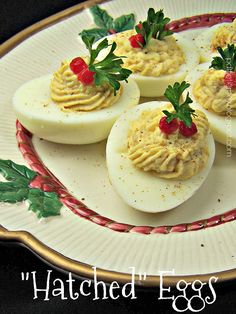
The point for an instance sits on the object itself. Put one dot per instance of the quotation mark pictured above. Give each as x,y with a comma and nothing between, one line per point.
25,276
142,276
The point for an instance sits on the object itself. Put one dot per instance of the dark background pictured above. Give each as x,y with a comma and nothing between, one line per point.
16,296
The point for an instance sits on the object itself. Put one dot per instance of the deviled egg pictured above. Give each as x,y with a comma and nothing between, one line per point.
80,102
213,90
219,35
155,56
155,165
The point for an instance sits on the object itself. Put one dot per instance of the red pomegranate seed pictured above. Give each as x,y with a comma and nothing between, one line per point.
170,127
230,79
86,77
140,25
187,131
77,65
137,41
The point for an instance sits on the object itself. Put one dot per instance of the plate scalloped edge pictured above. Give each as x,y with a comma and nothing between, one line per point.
86,271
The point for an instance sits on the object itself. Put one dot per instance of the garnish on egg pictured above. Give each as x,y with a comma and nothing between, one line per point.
219,35
77,65
83,98
223,35
167,170
214,92
155,56
227,62
153,27
108,70
181,118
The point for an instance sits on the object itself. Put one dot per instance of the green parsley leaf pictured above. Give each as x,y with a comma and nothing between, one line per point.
227,59
182,111
109,70
89,40
154,26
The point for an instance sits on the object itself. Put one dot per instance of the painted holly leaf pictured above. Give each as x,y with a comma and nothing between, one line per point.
44,204
97,33
11,192
101,17
106,24
17,189
14,172
124,23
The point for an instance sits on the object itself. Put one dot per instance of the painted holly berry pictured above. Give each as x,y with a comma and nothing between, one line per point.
139,25
77,65
43,183
168,127
111,31
230,79
137,41
187,131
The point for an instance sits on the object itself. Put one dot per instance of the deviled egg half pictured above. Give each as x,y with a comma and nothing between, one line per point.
219,35
80,102
213,90
159,153
155,56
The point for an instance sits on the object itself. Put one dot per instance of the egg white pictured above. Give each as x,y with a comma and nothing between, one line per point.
203,42
142,190
151,86
41,116
223,128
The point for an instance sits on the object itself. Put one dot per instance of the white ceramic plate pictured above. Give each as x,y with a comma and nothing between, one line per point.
83,172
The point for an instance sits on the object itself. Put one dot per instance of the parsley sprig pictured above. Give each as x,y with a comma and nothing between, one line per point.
108,70
154,26
227,59
183,111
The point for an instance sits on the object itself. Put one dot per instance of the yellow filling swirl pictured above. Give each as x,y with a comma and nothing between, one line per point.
71,95
224,35
170,156
211,93
158,58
